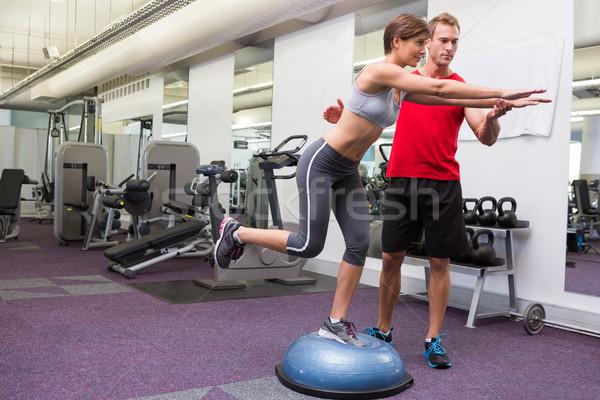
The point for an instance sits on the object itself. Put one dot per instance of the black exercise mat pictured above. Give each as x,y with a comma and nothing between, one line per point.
186,291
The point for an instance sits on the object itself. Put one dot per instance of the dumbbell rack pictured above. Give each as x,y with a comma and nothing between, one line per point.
500,267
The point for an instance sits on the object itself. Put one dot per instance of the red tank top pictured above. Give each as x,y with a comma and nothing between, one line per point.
426,140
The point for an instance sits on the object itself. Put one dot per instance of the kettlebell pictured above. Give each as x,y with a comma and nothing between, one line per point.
488,216
470,215
466,257
483,253
507,218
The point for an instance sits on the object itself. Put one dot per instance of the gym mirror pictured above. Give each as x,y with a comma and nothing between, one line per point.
582,272
123,141
252,99
175,106
73,120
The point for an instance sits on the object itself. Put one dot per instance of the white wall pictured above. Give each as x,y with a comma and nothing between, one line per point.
590,143
7,150
311,69
210,111
142,103
5,117
25,149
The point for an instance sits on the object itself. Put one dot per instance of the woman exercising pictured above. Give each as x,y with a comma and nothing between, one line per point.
327,173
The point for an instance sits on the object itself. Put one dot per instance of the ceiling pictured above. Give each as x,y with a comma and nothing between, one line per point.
29,26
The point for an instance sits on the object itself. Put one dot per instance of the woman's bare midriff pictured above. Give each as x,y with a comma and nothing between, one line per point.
352,135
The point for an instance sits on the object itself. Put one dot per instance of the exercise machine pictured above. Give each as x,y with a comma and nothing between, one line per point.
204,193
136,254
194,237
58,133
258,262
171,165
11,181
377,184
586,218
74,163
237,197
102,221
135,198
43,196
376,195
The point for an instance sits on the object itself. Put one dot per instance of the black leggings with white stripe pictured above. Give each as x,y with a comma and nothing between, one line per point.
327,181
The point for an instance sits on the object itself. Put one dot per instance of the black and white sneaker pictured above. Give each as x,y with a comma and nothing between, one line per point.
227,247
375,332
343,331
436,354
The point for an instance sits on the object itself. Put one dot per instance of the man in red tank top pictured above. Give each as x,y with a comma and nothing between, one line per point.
424,191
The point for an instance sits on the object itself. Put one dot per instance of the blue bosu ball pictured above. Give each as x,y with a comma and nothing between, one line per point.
326,368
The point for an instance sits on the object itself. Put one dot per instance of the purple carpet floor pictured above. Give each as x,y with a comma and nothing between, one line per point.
70,329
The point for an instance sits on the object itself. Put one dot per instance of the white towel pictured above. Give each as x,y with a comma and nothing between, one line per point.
530,65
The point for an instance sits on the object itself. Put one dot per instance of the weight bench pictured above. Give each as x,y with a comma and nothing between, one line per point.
136,254
10,202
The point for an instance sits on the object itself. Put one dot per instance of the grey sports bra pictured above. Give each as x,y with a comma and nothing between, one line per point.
379,108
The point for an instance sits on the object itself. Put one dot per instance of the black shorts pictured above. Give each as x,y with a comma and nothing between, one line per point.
412,205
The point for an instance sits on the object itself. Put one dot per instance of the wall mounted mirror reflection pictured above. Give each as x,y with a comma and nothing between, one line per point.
175,105
582,274
251,130
124,141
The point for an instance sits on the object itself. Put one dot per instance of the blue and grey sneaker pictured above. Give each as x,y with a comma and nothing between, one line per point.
343,331
436,354
228,247
375,332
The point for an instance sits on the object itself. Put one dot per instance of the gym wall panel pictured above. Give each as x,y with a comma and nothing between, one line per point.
590,143
210,108
25,149
5,117
32,119
210,111
7,150
125,155
312,67
30,152
141,103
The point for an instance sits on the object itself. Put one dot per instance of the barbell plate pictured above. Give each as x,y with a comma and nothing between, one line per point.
533,318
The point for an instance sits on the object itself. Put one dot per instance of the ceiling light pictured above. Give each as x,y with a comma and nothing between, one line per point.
176,104
172,135
256,125
585,113
264,85
586,83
